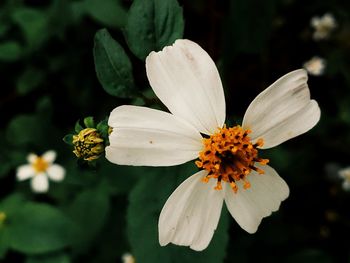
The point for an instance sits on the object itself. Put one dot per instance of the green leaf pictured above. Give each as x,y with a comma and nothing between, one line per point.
89,122
24,129
153,24
33,23
108,12
146,201
10,51
30,79
112,65
10,205
90,211
52,258
39,228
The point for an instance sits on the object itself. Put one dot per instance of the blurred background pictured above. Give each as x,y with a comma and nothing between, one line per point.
49,55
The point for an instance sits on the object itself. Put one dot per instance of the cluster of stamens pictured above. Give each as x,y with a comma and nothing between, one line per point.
229,156
40,165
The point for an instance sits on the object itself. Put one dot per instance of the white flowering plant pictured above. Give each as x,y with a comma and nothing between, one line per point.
209,142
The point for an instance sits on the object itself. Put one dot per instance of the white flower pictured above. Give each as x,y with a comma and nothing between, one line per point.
345,175
186,80
128,258
39,169
323,26
315,66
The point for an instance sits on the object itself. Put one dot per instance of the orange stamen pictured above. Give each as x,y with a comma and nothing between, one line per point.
229,156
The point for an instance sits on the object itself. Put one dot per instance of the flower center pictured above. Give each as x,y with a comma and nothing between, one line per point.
40,165
229,156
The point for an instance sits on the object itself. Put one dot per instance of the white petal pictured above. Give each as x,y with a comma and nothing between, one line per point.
56,172
49,156
282,111
40,183
191,214
186,80
249,207
31,158
24,172
144,136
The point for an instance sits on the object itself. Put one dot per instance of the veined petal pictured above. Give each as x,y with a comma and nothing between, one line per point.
282,111
249,206
49,156
55,172
191,214
24,172
40,183
144,136
186,80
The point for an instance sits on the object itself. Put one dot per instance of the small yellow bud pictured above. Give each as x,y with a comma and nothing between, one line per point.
88,144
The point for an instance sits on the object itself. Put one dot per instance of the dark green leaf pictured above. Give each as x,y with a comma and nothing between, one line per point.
89,210
30,79
112,65
10,51
153,24
33,23
39,228
52,258
146,202
24,129
108,12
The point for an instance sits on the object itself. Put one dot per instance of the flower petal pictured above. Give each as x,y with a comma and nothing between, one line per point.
282,111
40,183
49,156
248,207
31,158
24,172
191,214
186,80
56,172
144,136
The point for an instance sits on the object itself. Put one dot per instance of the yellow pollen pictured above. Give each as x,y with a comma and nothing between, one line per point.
229,156
40,165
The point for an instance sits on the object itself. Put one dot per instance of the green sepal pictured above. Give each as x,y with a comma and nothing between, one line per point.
78,127
68,139
89,122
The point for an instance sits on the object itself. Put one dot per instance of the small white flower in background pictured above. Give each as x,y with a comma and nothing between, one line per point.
345,175
39,170
323,26
186,80
128,258
315,66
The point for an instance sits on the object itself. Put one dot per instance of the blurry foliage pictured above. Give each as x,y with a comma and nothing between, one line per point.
61,60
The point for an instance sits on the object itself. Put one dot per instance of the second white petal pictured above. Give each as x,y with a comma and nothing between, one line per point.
191,214
282,111
186,80
144,136
248,207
